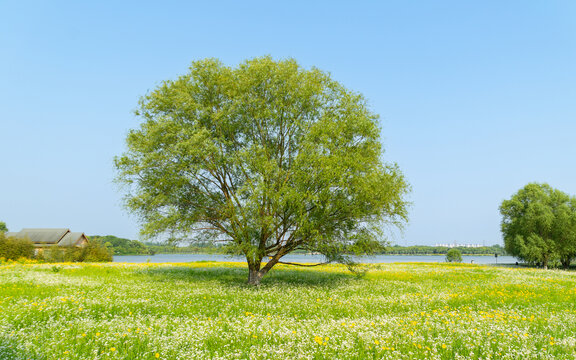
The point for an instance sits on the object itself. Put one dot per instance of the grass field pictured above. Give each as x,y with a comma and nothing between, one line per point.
205,311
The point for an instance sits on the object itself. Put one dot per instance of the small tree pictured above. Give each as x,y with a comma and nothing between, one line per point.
3,227
539,225
454,255
267,157
93,252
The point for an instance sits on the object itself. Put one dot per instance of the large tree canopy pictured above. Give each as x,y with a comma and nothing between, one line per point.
539,225
268,157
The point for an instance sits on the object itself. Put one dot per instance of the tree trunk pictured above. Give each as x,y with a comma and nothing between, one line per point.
255,274
254,277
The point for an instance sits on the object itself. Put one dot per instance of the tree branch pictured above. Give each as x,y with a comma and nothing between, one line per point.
304,265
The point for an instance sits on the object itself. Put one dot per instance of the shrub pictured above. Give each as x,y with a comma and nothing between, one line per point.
14,249
93,252
96,253
454,255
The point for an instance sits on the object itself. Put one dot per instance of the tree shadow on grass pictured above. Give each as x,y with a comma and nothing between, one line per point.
521,265
239,276
8,350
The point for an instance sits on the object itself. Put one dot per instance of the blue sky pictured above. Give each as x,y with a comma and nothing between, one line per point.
476,98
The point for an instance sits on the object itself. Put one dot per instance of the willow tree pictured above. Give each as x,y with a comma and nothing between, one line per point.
539,225
267,157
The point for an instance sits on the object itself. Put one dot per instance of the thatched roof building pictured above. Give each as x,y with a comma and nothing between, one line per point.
43,238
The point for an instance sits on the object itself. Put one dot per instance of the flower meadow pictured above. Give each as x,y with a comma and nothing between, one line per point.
205,310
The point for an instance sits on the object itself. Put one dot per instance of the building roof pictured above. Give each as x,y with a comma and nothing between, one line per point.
71,239
49,237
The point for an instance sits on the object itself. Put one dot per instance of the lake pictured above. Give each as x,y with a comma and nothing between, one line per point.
302,258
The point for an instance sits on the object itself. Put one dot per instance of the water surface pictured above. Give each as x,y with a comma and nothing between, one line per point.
302,258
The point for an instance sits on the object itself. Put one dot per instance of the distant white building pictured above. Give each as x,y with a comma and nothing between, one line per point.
459,245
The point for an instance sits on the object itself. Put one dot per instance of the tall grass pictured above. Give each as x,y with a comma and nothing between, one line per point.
205,311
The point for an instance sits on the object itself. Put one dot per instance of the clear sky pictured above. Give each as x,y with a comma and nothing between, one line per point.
476,98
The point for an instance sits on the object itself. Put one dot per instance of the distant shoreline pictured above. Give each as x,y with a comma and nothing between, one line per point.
303,258
305,254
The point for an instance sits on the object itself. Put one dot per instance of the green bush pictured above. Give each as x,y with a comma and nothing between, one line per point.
14,249
453,255
93,252
96,253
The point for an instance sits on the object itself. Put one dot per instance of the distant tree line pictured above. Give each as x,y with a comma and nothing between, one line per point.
122,246
443,250
196,248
